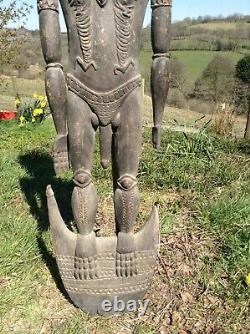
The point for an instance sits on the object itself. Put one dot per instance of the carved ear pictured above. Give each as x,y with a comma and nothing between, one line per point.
149,237
64,241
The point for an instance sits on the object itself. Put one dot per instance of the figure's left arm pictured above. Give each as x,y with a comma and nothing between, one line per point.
161,35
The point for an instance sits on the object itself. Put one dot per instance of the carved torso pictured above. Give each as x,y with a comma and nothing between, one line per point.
104,40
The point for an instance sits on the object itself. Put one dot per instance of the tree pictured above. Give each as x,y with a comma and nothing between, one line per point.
178,76
216,83
243,74
12,17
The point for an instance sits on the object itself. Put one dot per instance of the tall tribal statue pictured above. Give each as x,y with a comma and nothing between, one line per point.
103,89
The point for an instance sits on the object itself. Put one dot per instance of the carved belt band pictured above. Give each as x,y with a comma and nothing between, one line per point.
104,105
161,3
47,5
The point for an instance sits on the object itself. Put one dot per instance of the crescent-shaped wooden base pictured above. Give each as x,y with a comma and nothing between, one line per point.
95,282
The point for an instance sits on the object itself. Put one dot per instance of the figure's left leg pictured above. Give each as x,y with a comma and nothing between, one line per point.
127,151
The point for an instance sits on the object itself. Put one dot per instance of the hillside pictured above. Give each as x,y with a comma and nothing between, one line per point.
194,61
215,25
208,34
217,35
194,42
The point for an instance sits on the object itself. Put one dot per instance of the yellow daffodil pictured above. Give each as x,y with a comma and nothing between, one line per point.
248,280
35,96
41,98
17,102
22,121
37,112
43,104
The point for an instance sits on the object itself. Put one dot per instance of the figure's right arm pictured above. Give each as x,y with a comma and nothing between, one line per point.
161,34
54,78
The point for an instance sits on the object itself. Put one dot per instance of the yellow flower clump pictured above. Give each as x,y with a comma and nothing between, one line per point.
22,121
37,112
248,280
17,102
31,112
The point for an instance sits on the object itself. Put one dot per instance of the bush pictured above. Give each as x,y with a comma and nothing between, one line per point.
201,106
241,97
216,83
223,121
176,99
179,76
243,69
243,74
12,13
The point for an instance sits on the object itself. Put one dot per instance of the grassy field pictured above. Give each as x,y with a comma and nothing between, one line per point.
222,25
195,61
202,184
10,86
189,120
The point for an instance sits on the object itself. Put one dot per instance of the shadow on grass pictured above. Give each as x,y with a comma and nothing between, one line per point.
39,167
244,146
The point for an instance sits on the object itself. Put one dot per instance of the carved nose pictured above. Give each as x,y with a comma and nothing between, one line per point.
102,3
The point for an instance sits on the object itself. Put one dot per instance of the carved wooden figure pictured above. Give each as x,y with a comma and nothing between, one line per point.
103,89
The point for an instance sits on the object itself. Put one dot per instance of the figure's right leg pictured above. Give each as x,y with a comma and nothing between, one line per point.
84,199
126,151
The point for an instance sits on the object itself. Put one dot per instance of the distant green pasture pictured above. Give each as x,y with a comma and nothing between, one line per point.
221,25
197,61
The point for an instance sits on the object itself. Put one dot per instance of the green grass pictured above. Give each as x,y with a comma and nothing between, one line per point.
221,25
7,102
202,184
10,86
197,61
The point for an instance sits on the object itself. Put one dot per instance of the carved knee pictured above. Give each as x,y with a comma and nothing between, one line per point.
82,178
127,182
55,80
